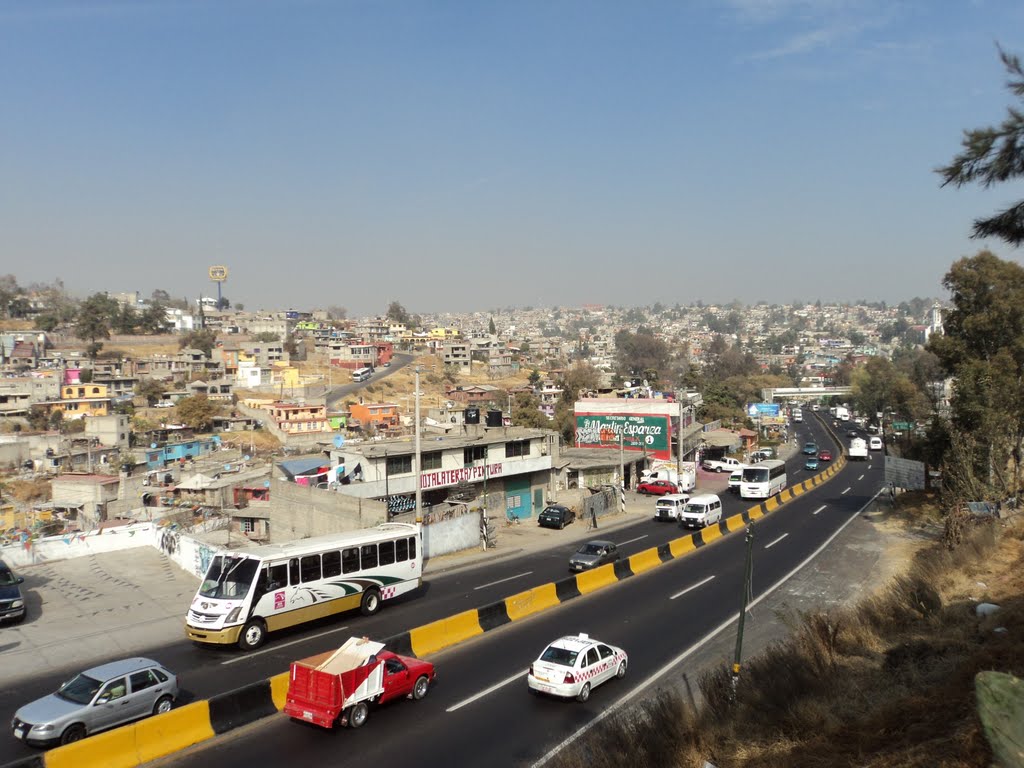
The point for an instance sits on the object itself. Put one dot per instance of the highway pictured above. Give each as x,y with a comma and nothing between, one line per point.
207,671
479,713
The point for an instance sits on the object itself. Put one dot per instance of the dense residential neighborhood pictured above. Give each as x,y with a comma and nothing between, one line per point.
211,418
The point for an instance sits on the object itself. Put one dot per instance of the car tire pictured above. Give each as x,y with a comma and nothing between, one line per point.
561,525
253,635
621,671
163,705
73,733
357,715
370,603
420,688
584,693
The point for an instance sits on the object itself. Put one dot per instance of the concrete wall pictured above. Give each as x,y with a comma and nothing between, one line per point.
190,553
455,534
67,546
298,511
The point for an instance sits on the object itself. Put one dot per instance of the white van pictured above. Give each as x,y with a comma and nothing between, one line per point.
734,480
798,415
670,506
701,511
875,443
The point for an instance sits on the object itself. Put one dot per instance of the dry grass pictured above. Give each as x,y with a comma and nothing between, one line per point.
886,684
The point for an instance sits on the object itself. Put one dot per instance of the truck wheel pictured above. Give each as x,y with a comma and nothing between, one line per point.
358,714
419,690
253,635
370,603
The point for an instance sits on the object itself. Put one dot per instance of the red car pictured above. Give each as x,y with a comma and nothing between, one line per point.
825,455
657,487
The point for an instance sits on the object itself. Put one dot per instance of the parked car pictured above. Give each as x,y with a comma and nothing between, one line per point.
95,700
825,454
811,463
12,602
555,516
810,449
571,666
592,554
657,487
725,464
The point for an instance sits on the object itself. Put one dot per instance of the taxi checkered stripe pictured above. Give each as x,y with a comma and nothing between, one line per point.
387,592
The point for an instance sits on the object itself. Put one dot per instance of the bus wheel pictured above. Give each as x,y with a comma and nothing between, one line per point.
253,635
370,603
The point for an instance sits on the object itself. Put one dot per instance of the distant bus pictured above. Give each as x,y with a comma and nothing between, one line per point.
362,374
247,593
763,480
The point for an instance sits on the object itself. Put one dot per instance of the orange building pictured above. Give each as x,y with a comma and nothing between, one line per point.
382,417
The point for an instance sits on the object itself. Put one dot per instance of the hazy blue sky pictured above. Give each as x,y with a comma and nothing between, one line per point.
469,155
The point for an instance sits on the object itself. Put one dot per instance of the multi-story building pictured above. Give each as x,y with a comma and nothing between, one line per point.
456,353
382,417
294,418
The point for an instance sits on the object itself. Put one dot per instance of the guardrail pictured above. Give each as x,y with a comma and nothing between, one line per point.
155,737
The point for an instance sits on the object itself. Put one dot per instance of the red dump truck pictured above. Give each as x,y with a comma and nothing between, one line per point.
337,688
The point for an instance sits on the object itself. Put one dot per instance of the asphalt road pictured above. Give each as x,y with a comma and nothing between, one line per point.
479,712
398,361
205,671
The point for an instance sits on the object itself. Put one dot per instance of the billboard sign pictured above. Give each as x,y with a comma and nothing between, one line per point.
762,409
639,432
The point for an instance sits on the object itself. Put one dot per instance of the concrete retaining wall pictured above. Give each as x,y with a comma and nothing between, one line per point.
67,546
299,511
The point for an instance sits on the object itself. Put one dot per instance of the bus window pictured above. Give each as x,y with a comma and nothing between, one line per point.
350,560
310,568
402,550
368,556
387,552
293,571
278,576
332,564
412,547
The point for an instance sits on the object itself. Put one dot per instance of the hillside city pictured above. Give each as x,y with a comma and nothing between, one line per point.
120,408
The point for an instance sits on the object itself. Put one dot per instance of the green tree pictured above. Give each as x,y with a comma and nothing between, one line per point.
38,419
641,354
153,319
491,328
983,348
534,377
125,320
151,389
94,320
267,336
204,339
526,412
197,412
9,290
993,155
397,314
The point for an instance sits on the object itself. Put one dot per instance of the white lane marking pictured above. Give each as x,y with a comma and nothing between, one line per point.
773,543
698,584
502,581
624,543
276,646
659,675
860,478
818,509
845,491
486,691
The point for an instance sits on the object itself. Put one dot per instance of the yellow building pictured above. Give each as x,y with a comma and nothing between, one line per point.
282,374
445,333
78,400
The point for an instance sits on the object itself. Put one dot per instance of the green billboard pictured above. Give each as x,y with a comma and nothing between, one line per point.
648,433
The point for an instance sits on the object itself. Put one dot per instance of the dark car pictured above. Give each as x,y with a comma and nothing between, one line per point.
825,454
810,449
12,602
555,516
657,487
593,554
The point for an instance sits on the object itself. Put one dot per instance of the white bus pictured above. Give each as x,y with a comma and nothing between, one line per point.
248,593
763,480
362,374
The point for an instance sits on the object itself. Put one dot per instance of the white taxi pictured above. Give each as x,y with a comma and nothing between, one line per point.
572,666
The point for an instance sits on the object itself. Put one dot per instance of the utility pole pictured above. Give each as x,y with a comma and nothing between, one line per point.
622,472
743,610
416,469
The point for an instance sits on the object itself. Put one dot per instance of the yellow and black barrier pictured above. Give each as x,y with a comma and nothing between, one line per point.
162,735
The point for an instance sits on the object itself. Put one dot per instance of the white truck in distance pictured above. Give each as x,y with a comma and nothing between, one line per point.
725,464
840,412
858,449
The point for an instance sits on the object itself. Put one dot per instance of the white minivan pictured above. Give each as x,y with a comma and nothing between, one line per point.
670,506
875,443
701,511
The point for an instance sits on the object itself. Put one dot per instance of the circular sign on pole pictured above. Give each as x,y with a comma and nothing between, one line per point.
339,441
218,274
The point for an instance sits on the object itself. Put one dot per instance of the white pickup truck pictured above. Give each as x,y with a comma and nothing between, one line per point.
725,464
858,450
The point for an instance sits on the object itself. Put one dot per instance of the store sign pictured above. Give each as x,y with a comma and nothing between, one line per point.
637,433
445,477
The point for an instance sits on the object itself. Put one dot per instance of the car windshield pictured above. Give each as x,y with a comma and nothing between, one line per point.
755,475
553,511
80,689
563,656
229,577
694,509
810,446
7,578
590,549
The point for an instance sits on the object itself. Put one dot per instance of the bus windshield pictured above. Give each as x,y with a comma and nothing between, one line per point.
229,577
755,475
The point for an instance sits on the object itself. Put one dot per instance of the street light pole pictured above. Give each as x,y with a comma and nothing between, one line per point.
743,611
419,491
